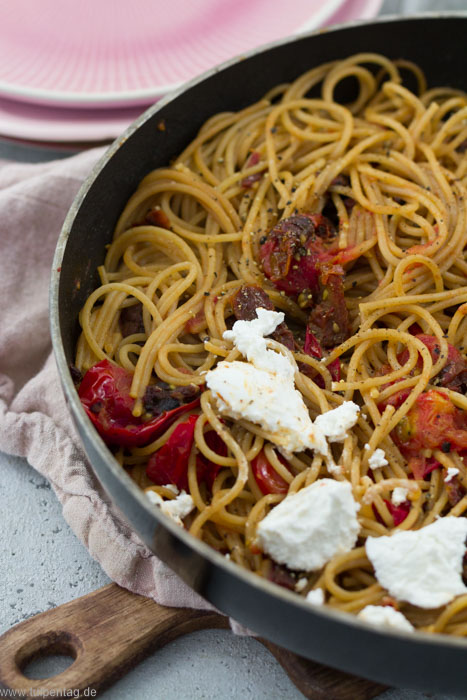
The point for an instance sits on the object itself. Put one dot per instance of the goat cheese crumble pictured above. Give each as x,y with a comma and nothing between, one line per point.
262,391
248,338
177,508
451,473
308,528
377,459
301,584
385,616
315,597
269,400
335,424
399,495
422,567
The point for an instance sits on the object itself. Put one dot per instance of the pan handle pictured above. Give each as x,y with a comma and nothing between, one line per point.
110,630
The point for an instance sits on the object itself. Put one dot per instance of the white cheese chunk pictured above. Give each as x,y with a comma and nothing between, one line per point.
422,567
451,473
377,459
172,488
248,338
301,584
315,597
154,498
240,390
385,616
335,424
177,508
308,528
262,391
399,495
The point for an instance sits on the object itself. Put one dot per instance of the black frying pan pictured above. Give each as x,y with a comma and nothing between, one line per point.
438,44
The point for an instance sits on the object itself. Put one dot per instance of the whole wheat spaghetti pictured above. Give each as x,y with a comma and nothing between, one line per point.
381,185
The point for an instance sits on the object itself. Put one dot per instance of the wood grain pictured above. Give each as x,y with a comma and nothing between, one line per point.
110,630
319,682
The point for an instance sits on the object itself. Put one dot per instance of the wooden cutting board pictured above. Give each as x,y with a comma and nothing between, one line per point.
136,626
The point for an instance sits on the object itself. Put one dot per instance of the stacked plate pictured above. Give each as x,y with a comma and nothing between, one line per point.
74,71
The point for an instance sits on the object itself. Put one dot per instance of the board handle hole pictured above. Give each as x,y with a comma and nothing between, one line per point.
47,655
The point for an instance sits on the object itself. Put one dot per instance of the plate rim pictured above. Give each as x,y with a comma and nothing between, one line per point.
141,96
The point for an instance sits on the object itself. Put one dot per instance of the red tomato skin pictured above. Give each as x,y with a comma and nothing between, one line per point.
313,348
205,468
105,396
280,575
421,466
268,480
454,373
291,254
399,513
301,258
431,423
169,465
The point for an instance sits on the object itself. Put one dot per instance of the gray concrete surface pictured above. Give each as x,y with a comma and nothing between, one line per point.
43,565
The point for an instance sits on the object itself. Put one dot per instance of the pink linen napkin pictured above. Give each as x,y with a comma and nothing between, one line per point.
34,420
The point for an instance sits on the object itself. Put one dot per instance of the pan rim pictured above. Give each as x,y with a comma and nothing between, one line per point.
200,548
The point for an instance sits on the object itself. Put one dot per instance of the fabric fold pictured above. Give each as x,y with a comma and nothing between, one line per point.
34,419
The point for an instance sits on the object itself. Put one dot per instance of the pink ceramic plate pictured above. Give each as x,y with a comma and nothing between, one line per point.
21,120
111,53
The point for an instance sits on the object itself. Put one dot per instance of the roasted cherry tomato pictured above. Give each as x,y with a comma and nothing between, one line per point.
292,251
313,348
205,468
280,575
105,395
422,466
455,490
432,423
250,180
399,513
300,258
169,465
268,480
454,373
157,217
